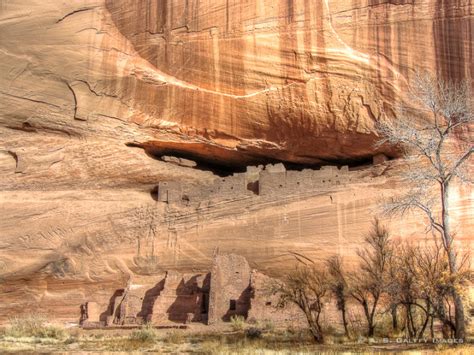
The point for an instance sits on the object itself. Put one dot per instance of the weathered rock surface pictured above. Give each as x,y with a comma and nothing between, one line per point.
85,85
295,80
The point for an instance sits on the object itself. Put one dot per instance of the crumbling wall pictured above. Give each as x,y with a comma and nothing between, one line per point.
272,180
265,305
230,290
230,186
135,305
276,180
183,299
257,180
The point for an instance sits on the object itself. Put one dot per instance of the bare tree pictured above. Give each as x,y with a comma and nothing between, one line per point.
369,282
306,287
406,289
338,286
441,149
436,282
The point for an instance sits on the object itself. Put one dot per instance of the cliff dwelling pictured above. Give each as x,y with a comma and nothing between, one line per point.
271,179
231,288
162,162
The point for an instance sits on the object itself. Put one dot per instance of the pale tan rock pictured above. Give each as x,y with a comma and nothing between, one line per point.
85,84
379,158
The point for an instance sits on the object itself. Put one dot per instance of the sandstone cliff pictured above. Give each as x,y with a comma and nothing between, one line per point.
85,85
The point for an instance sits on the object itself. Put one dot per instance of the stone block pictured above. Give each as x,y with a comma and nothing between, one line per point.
230,288
379,159
93,312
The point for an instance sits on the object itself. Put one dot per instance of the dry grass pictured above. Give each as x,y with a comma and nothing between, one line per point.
145,334
148,339
237,323
33,326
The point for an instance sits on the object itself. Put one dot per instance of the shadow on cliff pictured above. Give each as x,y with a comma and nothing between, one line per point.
239,306
111,305
190,300
149,299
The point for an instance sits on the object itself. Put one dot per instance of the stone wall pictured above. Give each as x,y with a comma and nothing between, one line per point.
183,299
265,305
238,290
257,180
230,288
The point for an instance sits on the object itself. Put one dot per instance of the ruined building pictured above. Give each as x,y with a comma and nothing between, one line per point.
231,288
257,180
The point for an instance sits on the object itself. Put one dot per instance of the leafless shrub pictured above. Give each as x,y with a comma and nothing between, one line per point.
338,287
306,287
370,281
422,284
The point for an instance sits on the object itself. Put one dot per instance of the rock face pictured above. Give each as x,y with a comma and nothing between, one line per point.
92,91
243,80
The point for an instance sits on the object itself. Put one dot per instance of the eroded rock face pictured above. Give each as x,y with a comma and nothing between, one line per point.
92,91
294,80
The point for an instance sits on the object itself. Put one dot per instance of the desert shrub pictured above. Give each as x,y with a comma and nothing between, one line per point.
253,333
33,326
252,321
51,332
71,340
267,325
174,337
237,322
145,334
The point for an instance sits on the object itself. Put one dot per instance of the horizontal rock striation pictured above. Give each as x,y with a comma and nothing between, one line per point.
94,93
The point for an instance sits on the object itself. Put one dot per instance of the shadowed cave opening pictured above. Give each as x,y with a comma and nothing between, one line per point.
223,168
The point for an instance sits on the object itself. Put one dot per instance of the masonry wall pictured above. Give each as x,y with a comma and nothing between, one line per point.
183,299
263,181
230,290
265,305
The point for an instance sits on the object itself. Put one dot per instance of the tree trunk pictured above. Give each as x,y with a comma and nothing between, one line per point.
344,319
460,332
425,323
427,319
411,326
459,322
371,331
393,310
370,328
315,329
432,327
447,326
314,326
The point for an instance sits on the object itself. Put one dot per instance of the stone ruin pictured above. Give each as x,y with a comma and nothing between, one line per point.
231,288
257,180
230,293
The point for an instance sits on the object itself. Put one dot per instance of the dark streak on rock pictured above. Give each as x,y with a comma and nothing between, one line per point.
75,12
28,99
75,101
15,156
